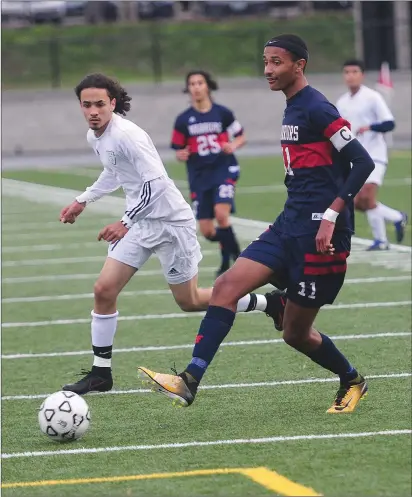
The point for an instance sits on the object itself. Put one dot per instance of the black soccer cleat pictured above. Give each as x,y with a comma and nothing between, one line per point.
276,302
94,381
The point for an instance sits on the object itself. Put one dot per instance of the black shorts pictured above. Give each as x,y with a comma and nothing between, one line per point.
311,279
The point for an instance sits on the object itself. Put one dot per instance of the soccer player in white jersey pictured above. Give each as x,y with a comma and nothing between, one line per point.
157,221
371,118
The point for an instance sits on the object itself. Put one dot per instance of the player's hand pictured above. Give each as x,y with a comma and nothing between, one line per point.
113,232
324,237
362,130
227,148
70,213
183,154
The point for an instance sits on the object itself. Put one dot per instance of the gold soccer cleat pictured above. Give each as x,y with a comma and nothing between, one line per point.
348,396
173,386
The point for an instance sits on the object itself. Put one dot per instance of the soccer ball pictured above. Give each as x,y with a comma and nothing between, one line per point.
64,416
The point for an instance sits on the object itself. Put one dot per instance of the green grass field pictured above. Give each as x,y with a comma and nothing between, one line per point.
276,420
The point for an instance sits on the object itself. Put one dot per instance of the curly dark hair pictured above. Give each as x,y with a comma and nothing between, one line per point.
113,88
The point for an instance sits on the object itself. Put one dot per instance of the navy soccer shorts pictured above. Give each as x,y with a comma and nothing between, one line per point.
204,201
311,279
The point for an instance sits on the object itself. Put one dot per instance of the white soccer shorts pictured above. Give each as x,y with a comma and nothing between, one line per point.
377,175
176,247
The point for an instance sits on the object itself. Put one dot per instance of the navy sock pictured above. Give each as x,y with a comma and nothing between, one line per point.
329,357
213,330
225,253
228,240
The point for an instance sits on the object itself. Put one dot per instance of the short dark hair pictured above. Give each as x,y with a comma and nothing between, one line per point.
292,44
211,83
355,62
292,40
113,88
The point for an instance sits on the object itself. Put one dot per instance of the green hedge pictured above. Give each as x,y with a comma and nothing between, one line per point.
39,56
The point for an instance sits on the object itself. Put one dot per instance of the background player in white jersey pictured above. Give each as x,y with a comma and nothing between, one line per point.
371,118
157,220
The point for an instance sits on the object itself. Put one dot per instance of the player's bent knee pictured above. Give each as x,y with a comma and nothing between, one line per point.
104,292
370,203
207,229
295,334
296,338
208,233
222,213
222,220
187,304
225,291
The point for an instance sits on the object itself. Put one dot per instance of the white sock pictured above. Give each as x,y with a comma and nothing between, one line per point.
246,301
389,214
377,224
103,331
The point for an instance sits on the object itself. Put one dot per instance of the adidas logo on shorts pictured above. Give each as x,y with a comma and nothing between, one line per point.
172,272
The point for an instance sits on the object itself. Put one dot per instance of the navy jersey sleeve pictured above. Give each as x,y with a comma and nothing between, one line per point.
230,124
179,135
327,121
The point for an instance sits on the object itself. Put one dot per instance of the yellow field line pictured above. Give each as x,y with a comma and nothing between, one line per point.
277,483
263,476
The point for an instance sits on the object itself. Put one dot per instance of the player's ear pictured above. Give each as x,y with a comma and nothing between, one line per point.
300,66
112,104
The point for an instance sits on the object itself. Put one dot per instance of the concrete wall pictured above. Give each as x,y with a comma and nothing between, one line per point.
50,122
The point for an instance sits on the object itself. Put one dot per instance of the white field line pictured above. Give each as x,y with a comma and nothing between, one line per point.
12,249
70,233
49,225
135,293
71,260
50,262
240,343
58,322
115,206
86,276
222,386
180,445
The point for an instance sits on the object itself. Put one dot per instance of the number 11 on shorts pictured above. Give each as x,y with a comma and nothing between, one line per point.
307,289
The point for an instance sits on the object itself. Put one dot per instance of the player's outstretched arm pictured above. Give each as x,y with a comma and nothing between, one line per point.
106,183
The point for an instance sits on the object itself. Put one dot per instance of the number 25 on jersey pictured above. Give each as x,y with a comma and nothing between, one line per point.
207,144
286,161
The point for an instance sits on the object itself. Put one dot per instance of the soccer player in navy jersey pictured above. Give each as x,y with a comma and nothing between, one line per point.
307,245
205,136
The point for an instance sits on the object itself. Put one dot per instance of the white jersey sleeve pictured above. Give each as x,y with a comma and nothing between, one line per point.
106,183
382,110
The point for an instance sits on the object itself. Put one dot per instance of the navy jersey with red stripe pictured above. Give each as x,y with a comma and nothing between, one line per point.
315,172
204,133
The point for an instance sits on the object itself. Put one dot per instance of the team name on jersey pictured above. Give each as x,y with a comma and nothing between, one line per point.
290,133
204,128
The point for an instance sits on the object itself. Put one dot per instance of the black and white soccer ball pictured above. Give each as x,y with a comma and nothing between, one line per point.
64,416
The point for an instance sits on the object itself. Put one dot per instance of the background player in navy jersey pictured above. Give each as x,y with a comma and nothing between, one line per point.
205,136
308,244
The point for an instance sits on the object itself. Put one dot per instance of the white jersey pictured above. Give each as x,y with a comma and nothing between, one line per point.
131,161
364,108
